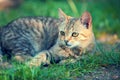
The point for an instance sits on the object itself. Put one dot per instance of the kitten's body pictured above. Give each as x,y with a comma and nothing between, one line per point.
40,37
29,35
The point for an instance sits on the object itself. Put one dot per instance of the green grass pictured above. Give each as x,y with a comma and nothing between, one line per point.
105,14
106,18
68,71
56,72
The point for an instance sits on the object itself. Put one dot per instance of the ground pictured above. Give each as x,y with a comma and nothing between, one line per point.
109,72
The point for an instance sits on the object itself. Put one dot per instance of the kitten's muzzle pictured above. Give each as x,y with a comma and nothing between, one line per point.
66,43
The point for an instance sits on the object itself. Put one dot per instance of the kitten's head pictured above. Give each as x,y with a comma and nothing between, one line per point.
75,32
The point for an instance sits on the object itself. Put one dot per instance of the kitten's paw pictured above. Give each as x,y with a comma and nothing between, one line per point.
38,60
22,58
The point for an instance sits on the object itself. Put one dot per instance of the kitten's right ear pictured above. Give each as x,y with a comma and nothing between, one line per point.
62,15
86,20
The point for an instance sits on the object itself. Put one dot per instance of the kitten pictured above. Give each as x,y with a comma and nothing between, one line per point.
46,40
75,35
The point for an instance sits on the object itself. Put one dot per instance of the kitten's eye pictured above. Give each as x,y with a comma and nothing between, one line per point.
75,34
62,33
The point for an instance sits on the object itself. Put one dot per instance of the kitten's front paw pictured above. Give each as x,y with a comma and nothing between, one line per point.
37,60
22,58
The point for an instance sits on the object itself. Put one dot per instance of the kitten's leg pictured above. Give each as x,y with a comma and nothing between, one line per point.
40,58
21,50
22,58
22,55
54,54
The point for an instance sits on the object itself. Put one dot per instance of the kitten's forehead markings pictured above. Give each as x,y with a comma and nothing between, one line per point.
71,23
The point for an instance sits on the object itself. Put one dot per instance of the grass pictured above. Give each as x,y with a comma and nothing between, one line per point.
65,71
105,19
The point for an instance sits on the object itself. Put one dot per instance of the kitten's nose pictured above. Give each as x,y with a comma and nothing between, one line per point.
66,41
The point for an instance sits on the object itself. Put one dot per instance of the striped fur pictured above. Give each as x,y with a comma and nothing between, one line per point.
29,35
40,38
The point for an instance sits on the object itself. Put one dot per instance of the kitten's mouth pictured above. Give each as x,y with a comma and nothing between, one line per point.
68,45
71,46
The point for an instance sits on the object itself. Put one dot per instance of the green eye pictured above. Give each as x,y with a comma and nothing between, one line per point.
75,34
62,33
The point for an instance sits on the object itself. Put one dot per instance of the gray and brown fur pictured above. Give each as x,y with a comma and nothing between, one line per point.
41,38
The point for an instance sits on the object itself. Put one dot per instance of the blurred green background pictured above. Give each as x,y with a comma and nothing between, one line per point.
105,13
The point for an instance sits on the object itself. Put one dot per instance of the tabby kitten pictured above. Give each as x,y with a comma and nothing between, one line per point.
45,39
75,35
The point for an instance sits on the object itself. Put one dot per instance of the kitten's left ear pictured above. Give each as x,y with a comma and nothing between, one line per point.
86,20
62,15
